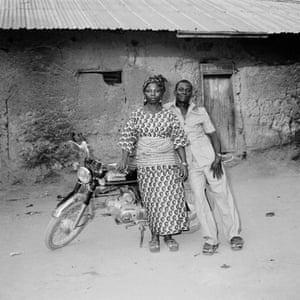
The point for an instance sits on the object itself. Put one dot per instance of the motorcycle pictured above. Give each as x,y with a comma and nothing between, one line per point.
118,196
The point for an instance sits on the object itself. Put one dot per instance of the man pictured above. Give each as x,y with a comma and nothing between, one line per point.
206,171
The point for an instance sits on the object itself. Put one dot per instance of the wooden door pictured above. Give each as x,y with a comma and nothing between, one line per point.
218,100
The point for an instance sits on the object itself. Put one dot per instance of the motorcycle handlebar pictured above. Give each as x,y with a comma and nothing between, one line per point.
84,147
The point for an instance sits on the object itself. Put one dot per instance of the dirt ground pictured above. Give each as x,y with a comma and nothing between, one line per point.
105,262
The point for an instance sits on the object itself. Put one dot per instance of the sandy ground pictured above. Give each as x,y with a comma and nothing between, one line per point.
105,262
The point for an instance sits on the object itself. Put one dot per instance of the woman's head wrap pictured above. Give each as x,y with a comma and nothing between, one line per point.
158,79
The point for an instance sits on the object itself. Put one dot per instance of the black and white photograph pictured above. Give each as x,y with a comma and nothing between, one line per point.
149,149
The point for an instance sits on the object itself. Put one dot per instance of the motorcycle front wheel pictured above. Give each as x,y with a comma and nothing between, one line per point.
61,231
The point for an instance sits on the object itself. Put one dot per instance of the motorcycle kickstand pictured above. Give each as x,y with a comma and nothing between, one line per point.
142,231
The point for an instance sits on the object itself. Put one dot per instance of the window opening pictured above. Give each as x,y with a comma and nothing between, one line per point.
109,77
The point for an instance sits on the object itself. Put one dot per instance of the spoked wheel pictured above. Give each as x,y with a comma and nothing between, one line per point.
61,231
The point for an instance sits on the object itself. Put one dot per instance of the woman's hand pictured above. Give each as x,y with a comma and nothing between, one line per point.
183,165
122,166
216,167
184,172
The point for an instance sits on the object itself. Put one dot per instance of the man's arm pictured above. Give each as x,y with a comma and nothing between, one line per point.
216,166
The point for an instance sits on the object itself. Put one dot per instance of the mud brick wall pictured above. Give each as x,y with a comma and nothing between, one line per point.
39,73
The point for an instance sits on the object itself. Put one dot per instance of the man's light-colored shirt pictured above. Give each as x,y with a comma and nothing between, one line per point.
196,125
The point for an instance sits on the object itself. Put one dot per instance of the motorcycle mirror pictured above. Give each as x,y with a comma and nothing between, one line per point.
83,147
73,136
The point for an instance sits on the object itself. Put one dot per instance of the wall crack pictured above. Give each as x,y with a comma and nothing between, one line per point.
11,93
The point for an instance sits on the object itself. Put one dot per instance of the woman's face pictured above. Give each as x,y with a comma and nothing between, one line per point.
153,93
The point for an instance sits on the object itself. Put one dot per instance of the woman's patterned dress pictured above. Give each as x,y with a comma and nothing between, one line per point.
160,183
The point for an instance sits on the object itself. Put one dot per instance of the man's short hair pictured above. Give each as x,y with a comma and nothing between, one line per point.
183,81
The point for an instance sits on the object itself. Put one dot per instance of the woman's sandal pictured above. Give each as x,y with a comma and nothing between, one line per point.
171,243
209,249
154,246
236,243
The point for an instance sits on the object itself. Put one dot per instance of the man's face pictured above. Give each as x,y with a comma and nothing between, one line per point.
183,92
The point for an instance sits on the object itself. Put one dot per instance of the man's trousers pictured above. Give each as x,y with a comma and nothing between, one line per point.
201,178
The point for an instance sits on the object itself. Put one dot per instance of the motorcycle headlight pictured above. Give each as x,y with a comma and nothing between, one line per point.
84,175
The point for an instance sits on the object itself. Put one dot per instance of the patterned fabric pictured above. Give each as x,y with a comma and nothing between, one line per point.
160,185
163,124
163,197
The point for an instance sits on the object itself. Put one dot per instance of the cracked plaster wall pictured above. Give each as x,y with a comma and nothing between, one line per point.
271,104
38,73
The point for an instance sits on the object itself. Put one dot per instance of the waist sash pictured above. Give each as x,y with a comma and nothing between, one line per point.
153,151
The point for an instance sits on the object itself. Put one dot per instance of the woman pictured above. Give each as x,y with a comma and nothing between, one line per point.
154,133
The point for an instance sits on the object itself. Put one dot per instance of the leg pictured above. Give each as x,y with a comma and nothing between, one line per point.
194,223
171,243
154,244
209,249
163,199
222,196
204,213
236,243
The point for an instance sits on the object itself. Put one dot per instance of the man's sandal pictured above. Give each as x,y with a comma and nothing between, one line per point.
236,243
171,243
209,249
154,246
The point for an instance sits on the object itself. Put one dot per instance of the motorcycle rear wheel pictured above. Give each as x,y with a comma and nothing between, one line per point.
60,231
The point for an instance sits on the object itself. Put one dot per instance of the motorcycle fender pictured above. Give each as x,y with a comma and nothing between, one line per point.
75,198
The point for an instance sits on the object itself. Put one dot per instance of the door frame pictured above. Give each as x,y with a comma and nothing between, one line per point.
220,69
